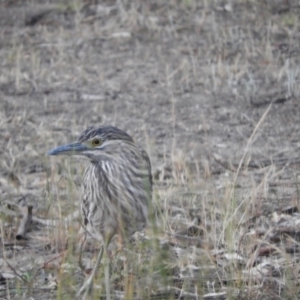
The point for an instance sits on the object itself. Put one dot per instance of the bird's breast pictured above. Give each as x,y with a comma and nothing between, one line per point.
116,196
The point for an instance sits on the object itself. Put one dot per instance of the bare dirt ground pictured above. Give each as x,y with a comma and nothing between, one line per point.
209,88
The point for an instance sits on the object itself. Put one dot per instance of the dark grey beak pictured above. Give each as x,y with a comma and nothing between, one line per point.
69,149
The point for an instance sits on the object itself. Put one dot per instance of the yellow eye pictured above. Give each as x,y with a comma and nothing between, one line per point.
96,142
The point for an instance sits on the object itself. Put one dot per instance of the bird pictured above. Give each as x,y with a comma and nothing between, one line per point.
116,189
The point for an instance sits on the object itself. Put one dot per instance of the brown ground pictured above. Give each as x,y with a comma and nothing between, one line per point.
209,88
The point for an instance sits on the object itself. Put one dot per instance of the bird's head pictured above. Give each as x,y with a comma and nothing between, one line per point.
92,140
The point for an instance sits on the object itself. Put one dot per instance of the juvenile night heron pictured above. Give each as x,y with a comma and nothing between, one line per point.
117,185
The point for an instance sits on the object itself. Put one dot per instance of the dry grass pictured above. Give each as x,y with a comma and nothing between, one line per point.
209,89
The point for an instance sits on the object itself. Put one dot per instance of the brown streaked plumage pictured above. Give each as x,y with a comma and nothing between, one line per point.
117,185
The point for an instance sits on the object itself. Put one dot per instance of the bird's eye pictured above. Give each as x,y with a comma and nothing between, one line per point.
96,142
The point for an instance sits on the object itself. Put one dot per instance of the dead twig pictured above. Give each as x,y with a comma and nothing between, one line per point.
25,222
16,273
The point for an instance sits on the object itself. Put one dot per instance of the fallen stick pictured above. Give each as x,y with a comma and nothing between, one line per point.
25,222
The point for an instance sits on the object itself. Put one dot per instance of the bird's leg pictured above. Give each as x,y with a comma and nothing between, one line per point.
127,280
88,284
107,275
86,287
109,235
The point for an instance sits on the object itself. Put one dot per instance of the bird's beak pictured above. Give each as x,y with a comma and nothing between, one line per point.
69,149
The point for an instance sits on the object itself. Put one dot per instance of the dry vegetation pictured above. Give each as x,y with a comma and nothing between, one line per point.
211,90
